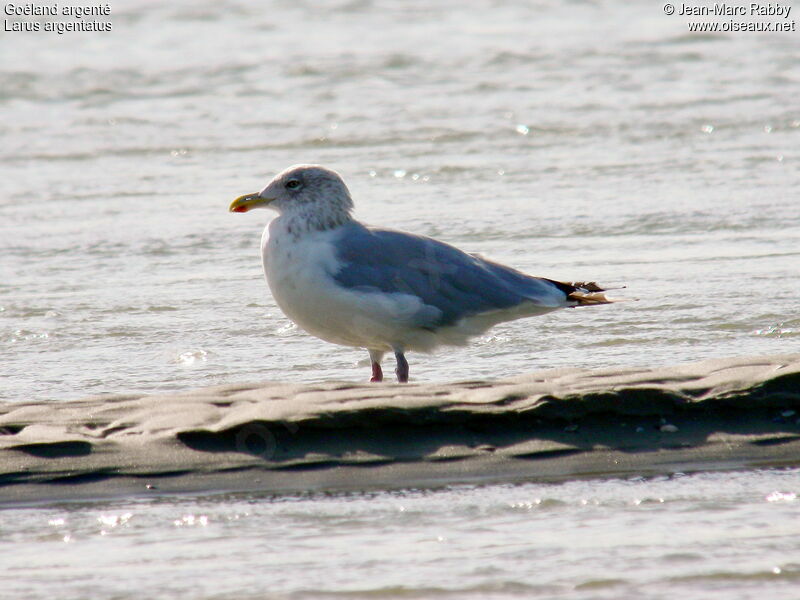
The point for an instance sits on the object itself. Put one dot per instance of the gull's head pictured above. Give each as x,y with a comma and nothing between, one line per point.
311,191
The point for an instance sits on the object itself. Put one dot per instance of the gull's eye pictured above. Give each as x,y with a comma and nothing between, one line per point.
293,184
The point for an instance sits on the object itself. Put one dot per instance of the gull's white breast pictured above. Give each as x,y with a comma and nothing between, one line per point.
299,270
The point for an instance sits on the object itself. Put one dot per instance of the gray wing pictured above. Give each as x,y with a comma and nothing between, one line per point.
442,276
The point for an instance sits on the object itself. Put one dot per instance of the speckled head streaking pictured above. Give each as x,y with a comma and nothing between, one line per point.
315,196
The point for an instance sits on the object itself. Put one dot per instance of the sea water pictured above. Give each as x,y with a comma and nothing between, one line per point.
574,140
710,536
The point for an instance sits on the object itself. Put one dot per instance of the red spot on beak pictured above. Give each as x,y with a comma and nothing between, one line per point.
240,209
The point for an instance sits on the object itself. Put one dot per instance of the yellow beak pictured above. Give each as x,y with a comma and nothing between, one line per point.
247,202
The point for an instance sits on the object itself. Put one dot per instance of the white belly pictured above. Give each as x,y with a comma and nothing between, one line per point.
299,272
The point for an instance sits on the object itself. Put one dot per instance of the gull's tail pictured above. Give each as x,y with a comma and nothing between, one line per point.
585,293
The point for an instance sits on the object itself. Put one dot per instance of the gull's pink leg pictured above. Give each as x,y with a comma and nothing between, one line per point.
377,373
402,367
375,357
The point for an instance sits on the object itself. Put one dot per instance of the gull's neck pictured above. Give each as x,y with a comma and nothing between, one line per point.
303,219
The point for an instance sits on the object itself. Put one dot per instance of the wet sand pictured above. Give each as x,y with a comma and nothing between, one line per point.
286,438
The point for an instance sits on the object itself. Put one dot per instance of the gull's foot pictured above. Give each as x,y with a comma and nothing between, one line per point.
402,368
377,373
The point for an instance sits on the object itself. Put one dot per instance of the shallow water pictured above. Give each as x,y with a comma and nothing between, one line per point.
713,535
587,141
574,140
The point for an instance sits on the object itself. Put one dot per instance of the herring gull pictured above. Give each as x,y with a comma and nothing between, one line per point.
381,289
